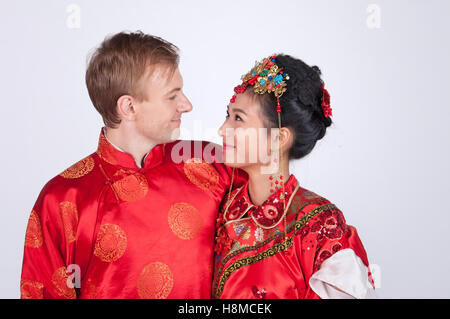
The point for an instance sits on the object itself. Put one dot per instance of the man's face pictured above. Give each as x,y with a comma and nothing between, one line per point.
158,116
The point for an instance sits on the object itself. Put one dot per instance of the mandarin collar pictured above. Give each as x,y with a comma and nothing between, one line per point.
266,215
114,156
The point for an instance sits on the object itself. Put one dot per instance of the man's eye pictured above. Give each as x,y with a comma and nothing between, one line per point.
172,97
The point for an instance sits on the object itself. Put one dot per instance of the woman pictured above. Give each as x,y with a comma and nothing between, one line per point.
276,239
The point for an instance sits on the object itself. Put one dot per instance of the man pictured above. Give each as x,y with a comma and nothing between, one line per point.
135,219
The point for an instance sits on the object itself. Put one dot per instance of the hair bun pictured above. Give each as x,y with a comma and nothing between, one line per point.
317,69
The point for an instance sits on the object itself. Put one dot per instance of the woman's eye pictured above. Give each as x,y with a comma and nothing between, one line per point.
238,118
172,97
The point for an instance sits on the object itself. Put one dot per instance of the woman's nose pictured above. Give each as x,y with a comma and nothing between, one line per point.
221,131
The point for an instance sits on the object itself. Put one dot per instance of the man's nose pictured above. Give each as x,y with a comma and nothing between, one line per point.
186,106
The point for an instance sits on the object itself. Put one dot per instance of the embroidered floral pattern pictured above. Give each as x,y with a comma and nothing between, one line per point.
268,214
225,269
329,225
237,209
325,254
259,294
259,234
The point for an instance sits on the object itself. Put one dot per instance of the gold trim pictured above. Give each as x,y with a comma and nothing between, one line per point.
272,251
284,213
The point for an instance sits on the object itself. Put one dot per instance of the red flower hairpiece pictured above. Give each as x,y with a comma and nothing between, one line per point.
327,111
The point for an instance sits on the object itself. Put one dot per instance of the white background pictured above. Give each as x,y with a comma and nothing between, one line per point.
384,162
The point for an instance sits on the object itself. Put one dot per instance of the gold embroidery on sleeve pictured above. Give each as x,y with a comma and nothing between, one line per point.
59,281
69,216
30,289
33,236
79,169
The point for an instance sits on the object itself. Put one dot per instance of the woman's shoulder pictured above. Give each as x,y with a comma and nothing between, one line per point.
305,201
309,207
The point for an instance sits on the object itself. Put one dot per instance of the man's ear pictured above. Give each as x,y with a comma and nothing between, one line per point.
125,108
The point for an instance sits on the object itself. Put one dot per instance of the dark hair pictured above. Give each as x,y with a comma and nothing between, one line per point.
301,109
118,65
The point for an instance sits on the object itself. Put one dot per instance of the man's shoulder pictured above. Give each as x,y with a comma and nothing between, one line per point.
79,175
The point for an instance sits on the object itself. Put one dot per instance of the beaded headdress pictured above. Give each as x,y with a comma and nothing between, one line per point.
267,77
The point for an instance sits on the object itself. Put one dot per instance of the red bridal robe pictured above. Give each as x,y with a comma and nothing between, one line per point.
321,256
131,232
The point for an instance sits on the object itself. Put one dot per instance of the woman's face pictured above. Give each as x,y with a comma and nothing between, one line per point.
246,140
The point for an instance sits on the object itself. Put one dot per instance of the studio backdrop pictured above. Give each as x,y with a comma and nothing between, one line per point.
383,162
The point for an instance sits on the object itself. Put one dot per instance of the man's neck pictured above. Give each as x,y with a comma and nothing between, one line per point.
130,142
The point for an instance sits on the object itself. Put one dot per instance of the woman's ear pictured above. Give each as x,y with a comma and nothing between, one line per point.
286,138
282,140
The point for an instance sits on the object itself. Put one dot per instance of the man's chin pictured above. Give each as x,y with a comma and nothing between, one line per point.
174,135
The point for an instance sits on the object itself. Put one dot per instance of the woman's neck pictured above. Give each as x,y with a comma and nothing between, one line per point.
259,183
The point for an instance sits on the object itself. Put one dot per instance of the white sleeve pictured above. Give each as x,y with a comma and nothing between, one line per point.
342,276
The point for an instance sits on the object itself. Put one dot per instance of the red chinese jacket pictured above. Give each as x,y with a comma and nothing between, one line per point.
319,256
125,231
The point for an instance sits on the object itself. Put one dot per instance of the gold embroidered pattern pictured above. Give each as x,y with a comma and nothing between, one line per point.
69,216
106,151
90,290
132,187
79,169
184,220
111,243
33,236
201,174
155,281
30,289
272,251
59,281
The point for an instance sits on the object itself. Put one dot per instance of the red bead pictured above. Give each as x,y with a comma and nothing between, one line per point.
271,177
